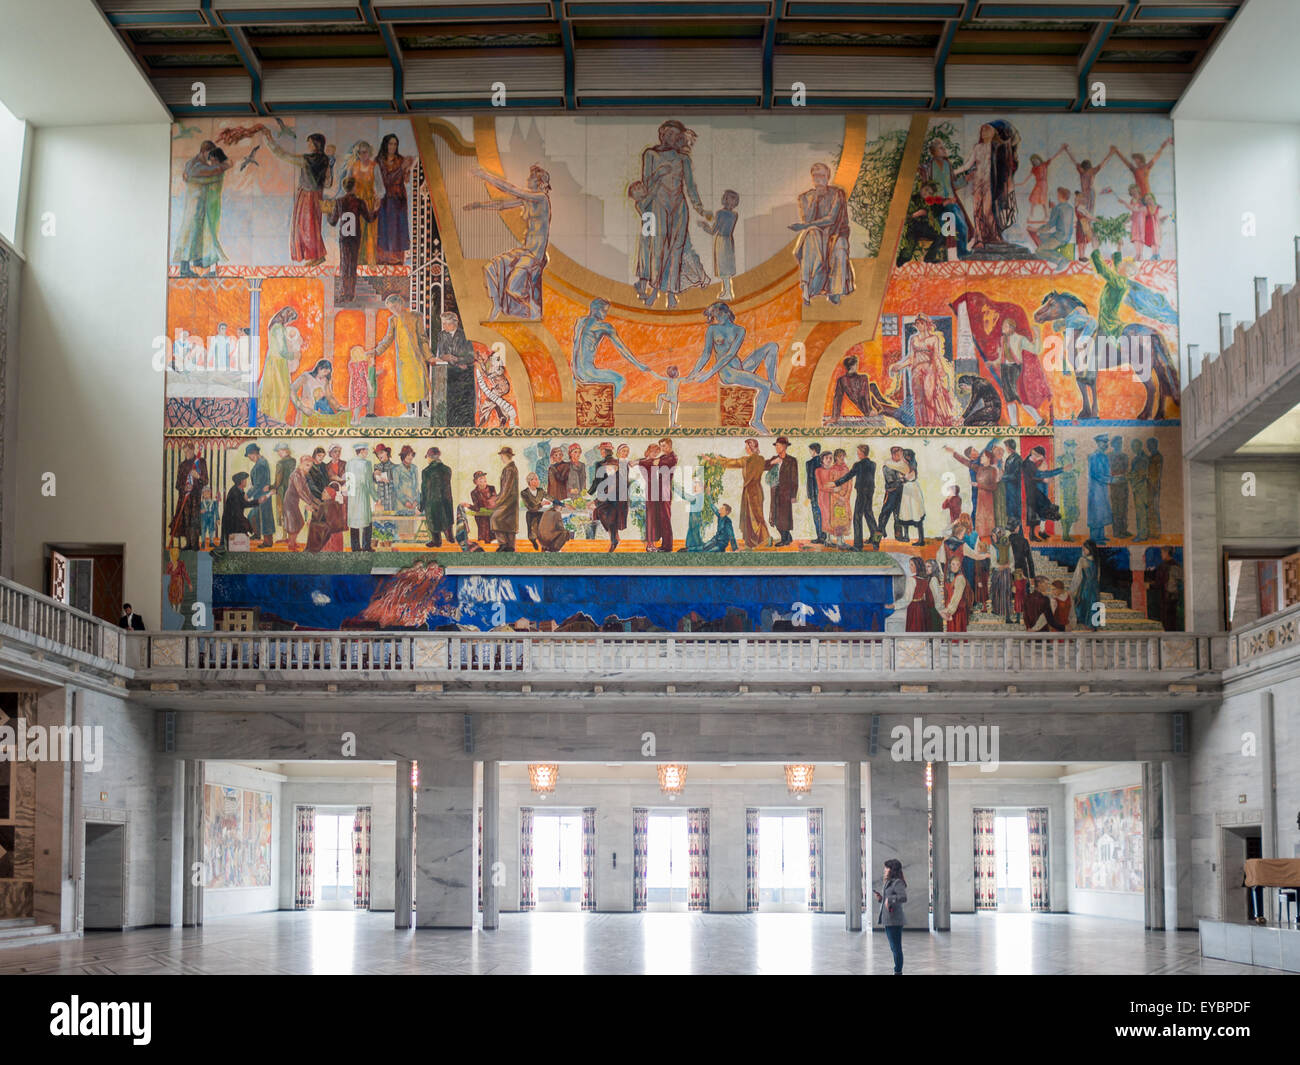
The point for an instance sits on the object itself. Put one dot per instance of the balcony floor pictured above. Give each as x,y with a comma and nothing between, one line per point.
563,943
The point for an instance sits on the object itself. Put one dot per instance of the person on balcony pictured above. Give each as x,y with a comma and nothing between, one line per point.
130,619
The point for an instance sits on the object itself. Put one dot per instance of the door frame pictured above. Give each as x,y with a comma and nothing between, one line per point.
92,816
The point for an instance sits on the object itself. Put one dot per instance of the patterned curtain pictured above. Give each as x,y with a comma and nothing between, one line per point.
751,860
697,846
479,837
527,893
1039,892
985,866
866,883
640,855
361,824
304,865
589,858
816,895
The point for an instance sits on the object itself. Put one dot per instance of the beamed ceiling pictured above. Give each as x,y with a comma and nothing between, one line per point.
399,56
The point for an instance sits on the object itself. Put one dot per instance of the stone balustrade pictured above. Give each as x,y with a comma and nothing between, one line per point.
666,656
1248,385
46,627
1268,636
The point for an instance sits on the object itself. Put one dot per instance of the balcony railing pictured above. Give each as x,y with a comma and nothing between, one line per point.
1268,635
665,656
1253,368
28,616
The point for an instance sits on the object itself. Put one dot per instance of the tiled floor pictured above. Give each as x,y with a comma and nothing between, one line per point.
547,943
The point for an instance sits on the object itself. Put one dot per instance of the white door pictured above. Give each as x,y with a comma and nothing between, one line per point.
783,875
668,869
1011,854
557,861
334,858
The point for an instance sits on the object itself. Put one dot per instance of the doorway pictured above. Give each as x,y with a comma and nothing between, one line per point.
1237,845
667,862
783,863
557,860
1011,851
104,884
334,861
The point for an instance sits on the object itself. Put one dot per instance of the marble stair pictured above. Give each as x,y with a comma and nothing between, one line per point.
20,931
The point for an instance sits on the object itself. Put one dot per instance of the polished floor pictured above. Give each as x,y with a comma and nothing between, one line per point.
561,943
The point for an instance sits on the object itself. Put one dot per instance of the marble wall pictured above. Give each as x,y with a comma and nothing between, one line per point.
1230,781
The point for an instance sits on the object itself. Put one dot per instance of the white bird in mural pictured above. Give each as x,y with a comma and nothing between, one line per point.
533,593
832,613
320,598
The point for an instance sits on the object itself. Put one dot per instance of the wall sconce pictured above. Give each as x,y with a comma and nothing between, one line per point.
799,778
672,779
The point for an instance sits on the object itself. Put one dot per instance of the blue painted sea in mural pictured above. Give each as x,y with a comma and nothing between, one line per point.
761,602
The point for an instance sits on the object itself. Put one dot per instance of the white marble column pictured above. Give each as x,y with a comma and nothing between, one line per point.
403,844
1202,562
940,807
1153,826
169,842
853,846
57,864
1178,847
1268,776
192,894
444,845
492,843
898,823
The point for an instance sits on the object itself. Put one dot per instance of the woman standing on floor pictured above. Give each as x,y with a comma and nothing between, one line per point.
891,899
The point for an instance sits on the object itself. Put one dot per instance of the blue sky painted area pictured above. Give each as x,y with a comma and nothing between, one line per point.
853,602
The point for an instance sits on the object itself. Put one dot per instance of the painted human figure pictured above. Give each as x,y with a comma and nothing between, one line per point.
1119,468
1155,472
359,487
514,278
723,229
811,466
1099,512
722,343
199,241
480,498
785,491
315,174
930,374
863,475
505,504
724,536
263,518
435,499
1140,489
191,480
663,197
1069,484
822,249
1085,586
411,352
609,487
392,227
350,214
1038,167
752,466
591,329
492,385
456,351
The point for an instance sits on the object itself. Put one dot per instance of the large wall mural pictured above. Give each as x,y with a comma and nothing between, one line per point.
846,372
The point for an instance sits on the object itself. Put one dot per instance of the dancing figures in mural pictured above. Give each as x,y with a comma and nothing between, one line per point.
822,249
514,278
722,343
665,261
591,329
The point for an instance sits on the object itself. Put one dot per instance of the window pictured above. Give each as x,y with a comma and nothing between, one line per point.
1011,849
783,861
667,862
557,861
334,860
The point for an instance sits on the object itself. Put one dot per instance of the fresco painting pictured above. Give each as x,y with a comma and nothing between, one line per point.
1108,847
928,362
236,837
